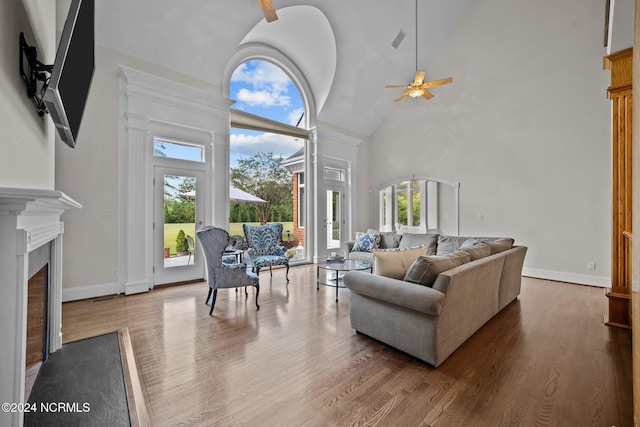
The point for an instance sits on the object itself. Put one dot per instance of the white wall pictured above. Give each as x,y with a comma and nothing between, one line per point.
89,172
28,156
525,128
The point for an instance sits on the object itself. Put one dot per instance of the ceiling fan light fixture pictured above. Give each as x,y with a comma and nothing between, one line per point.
418,87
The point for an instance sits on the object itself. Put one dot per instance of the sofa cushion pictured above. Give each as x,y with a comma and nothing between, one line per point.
395,262
389,239
426,268
365,242
500,245
477,251
411,240
447,244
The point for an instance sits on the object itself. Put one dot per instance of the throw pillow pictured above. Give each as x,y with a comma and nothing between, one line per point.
500,245
365,242
411,240
389,239
395,262
470,242
426,268
477,251
448,244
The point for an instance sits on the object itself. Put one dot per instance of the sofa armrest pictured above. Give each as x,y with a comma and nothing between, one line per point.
347,247
409,295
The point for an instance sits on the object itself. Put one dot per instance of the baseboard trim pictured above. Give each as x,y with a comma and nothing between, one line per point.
89,291
562,276
137,286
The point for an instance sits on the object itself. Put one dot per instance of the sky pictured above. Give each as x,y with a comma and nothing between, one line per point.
261,88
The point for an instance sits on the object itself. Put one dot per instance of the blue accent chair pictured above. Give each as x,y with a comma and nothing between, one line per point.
264,246
213,242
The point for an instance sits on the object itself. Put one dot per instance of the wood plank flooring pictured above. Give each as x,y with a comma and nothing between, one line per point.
546,360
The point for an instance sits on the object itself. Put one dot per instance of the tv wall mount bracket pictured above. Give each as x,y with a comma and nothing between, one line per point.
35,74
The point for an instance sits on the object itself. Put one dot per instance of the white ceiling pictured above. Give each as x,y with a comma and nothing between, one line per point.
198,38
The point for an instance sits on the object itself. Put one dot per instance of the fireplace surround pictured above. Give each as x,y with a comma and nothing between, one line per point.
29,220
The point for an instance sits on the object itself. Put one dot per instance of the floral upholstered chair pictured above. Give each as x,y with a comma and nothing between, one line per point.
213,242
264,246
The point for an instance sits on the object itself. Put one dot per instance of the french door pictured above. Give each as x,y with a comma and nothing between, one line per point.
178,211
334,219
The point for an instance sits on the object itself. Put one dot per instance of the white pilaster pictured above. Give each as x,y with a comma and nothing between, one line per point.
153,106
29,219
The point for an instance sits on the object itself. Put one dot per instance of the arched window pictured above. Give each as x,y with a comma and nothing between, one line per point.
265,160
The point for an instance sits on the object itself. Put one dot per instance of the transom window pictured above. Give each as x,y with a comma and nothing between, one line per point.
178,150
332,174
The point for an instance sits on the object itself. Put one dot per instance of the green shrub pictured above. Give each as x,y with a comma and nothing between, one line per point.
181,242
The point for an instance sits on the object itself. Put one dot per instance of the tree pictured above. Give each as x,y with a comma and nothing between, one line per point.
264,176
178,206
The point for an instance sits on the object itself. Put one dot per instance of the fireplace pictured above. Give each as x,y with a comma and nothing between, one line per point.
31,232
37,332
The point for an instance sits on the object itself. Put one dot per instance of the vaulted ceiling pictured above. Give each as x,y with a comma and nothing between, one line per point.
198,38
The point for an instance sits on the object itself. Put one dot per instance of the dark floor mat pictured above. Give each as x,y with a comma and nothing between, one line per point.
80,385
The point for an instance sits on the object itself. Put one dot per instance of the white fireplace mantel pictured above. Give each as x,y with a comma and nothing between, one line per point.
29,219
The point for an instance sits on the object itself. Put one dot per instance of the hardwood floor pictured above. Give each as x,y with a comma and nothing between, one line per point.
546,360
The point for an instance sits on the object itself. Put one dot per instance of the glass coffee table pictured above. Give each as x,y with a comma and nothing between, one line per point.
332,273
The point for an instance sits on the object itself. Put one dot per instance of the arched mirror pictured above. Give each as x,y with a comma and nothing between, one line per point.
419,205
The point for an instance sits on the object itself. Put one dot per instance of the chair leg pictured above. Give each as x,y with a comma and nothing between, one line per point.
246,294
270,271
208,295
213,301
257,292
287,274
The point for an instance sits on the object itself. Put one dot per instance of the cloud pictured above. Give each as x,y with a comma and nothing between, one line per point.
249,144
294,116
260,73
261,84
264,98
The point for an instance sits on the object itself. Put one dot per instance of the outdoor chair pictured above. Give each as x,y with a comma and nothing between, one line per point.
264,246
191,244
213,241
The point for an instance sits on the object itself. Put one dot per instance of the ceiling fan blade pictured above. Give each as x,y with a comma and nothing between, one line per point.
419,78
268,10
396,86
401,97
439,82
427,94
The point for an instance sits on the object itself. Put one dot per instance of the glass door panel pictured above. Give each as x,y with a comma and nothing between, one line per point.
334,219
178,213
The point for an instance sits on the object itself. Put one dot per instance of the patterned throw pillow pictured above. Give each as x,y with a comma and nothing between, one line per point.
365,242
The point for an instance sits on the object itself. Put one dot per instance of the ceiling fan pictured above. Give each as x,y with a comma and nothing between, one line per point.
418,87
268,10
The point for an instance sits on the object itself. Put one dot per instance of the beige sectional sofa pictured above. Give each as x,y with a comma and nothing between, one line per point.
431,321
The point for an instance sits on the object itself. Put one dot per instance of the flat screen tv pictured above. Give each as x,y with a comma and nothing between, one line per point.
68,88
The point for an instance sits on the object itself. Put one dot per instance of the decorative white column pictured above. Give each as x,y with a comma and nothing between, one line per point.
29,219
